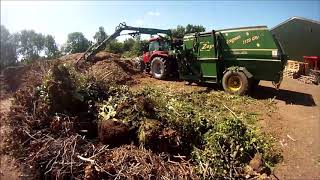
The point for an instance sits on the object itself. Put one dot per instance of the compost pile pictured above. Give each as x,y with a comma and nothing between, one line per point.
87,124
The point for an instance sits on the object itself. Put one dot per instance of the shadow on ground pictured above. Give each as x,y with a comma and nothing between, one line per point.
289,97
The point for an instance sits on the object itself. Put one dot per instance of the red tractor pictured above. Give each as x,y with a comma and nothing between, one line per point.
156,58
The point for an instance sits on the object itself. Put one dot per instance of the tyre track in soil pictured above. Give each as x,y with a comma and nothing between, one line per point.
296,125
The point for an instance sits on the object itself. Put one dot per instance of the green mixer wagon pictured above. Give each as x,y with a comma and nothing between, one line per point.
237,58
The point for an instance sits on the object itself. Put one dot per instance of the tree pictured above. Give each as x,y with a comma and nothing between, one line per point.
128,44
100,35
115,47
194,28
30,44
180,31
51,49
8,48
139,46
76,43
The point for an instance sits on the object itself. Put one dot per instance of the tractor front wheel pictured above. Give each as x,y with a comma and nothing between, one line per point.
235,83
139,64
159,68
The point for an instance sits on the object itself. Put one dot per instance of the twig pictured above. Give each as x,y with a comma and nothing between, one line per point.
291,138
234,114
74,146
85,159
173,162
99,152
178,156
29,135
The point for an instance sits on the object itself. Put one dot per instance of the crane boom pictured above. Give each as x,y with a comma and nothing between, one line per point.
95,48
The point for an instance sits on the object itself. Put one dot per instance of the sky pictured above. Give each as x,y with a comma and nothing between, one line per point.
59,18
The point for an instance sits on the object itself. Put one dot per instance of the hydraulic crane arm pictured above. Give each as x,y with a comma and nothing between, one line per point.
95,48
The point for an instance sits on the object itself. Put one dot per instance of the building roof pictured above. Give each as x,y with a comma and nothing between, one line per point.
294,18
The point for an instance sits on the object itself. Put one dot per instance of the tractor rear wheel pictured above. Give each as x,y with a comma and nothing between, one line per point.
235,83
160,68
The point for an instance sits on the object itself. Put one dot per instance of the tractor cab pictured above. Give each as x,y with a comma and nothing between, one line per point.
157,46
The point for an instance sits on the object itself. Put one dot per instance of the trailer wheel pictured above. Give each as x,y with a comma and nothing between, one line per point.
159,68
235,83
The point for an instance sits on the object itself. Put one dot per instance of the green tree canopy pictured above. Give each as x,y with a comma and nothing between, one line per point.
194,28
180,31
8,48
115,47
128,44
30,44
76,43
100,35
51,49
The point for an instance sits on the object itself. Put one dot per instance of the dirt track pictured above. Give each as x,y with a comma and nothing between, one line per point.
297,127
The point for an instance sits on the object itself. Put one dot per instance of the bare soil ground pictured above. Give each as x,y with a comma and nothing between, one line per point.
296,125
9,168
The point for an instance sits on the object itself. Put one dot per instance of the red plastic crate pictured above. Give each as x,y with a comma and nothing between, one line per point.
313,61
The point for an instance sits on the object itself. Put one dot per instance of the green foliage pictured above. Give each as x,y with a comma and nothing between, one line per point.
222,139
180,31
194,28
128,44
100,35
129,48
115,47
229,146
30,44
76,43
8,48
51,48
68,91
217,131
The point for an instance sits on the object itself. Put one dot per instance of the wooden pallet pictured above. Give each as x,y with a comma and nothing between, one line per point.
306,79
288,74
291,74
300,67
315,74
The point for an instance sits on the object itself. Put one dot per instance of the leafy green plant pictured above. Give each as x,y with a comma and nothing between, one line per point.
229,146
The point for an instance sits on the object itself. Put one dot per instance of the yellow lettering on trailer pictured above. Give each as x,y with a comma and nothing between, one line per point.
234,39
206,46
251,39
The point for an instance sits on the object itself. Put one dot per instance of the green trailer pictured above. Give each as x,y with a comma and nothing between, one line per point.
237,58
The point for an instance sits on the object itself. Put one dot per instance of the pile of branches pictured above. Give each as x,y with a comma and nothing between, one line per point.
137,163
60,127
55,126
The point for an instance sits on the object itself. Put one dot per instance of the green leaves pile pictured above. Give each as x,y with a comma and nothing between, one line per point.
218,131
